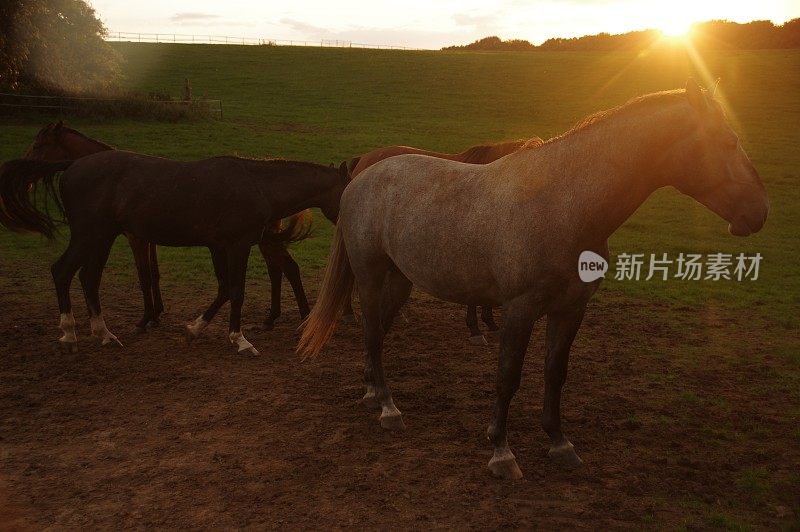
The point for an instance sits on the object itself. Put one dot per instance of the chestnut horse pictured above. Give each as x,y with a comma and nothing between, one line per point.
482,154
57,142
227,204
523,221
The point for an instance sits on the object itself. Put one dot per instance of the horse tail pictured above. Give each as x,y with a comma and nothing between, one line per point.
18,208
336,289
294,229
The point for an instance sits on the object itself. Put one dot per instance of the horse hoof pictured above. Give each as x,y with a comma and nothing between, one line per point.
370,400
505,468
113,341
249,351
67,347
152,324
565,456
139,329
348,318
268,325
190,335
478,340
393,422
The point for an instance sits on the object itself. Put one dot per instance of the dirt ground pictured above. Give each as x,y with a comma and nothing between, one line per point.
161,434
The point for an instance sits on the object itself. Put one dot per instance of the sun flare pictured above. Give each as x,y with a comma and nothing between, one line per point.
676,28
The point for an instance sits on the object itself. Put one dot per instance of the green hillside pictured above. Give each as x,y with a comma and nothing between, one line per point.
327,105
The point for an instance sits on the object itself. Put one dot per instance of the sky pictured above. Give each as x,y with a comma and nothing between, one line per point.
426,23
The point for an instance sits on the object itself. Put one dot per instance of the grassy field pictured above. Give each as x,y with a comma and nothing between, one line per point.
327,105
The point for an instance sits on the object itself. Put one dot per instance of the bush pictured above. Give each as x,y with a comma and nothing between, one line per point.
54,45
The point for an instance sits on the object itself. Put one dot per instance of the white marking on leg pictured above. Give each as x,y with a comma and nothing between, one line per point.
197,326
100,330
238,339
67,326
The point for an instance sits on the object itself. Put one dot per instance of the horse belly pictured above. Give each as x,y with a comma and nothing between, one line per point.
460,276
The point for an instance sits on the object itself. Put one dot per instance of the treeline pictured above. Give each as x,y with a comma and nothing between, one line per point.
714,34
53,58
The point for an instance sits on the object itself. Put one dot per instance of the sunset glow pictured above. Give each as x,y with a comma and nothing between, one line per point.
424,24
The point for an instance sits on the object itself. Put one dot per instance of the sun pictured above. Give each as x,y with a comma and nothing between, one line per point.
676,27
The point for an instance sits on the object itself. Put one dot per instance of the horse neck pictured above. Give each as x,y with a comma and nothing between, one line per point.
78,146
608,169
299,190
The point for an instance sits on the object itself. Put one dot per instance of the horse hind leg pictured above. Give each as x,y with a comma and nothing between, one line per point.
141,258
396,290
155,277
377,315
90,275
63,271
487,316
475,335
292,271
274,261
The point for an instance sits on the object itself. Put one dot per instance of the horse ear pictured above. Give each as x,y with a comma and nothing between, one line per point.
695,95
344,172
351,164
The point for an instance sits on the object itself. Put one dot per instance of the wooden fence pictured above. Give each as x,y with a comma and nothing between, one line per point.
61,104
124,36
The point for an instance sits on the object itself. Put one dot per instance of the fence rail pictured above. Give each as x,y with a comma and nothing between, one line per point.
123,36
68,103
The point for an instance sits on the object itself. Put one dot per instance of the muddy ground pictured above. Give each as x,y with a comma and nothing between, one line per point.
682,423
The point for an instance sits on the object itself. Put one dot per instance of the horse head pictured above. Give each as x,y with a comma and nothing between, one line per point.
716,170
48,144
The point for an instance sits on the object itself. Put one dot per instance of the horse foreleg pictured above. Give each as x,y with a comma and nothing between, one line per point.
141,257
561,331
513,344
237,272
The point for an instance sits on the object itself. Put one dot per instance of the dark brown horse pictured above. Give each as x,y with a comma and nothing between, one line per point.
227,204
57,142
481,154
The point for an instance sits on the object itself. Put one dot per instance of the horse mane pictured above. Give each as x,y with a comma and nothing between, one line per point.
636,102
87,137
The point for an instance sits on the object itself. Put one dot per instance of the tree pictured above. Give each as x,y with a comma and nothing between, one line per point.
54,46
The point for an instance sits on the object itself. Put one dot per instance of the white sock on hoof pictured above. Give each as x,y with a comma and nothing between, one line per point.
100,330
67,326
239,339
197,326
